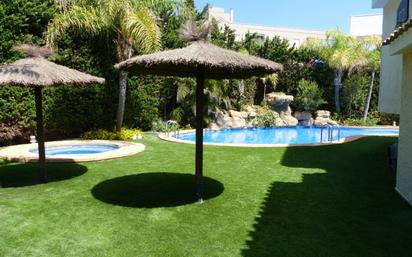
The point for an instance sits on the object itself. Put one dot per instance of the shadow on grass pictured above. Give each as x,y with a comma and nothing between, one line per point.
20,175
345,206
4,162
152,190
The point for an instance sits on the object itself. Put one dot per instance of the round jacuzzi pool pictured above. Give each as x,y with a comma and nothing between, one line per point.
73,151
77,149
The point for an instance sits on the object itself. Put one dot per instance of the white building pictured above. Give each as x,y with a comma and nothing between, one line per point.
295,36
366,25
396,83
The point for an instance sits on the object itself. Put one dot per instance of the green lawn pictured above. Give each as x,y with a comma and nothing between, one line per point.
313,201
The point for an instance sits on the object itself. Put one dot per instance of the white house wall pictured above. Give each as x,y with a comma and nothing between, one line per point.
391,67
366,25
404,171
295,36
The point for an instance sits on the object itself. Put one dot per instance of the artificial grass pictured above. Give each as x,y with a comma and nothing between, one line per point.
311,201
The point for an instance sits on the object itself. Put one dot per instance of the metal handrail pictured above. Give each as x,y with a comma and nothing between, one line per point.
330,128
170,123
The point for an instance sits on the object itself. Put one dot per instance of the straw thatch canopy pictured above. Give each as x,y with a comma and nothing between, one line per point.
38,71
216,62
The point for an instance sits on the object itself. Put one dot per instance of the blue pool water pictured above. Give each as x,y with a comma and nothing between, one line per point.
77,149
284,135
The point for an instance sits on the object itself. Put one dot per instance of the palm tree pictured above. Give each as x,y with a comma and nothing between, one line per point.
216,96
129,23
374,61
342,53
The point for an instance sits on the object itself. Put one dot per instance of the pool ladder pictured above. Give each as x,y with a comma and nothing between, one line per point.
172,127
330,130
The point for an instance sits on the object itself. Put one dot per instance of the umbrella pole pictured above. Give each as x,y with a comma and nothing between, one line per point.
200,80
40,134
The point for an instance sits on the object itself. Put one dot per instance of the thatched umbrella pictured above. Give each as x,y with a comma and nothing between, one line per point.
201,60
37,72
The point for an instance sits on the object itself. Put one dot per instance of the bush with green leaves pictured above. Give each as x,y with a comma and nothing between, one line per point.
165,126
143,101
360,122
355,89
101,134
265,117
292,73
309,96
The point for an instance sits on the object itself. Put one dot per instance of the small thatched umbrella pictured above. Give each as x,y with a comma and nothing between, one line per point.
37,72
201,60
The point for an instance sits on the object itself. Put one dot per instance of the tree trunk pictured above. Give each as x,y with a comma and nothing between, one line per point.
338,84
124,52
368,100
122,99
264,91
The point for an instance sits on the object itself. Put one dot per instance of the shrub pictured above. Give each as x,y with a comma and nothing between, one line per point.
124,134
385,118
99,134
142,103
265,117
128,134
360,122
163,126
292,73
12,134
354,94
309,96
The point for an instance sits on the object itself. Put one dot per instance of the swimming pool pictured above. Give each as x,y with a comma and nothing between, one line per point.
77,149
284,135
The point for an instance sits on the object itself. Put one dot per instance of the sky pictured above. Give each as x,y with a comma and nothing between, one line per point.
305,14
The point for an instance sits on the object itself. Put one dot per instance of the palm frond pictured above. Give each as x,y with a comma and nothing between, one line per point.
142,30
184,92
272,77
114,9
86,20
341,51
158,6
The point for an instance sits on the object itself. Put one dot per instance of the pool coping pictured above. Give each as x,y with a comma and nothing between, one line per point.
21,153
169,137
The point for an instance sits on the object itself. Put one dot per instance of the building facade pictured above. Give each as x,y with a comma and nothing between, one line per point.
396,82
365,25
294,36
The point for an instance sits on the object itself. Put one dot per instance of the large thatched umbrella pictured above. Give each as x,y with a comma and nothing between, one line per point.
37,72
201,60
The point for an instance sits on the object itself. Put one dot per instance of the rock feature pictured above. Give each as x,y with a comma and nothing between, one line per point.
279,103
304,118
231,119
323,119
